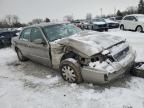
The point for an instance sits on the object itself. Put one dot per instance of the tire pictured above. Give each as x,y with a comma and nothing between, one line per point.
1,44
139,29
122,27
106,30
20,56
89,27
71,71
92,28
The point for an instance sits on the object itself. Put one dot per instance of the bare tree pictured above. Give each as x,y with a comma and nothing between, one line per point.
11,19
36,21
15,19
68,17
8,19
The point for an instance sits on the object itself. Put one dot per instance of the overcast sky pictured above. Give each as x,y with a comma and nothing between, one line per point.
56,9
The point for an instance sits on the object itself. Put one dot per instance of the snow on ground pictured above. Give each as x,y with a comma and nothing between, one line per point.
30,85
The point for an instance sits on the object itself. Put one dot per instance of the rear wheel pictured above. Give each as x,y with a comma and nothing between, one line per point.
90,27
20,55
139,29
122,27
1,44
70,70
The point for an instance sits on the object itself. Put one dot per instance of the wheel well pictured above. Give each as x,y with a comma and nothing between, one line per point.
138,26
69,55
121,25
16,49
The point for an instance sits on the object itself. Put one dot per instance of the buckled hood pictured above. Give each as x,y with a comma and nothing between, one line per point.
90,43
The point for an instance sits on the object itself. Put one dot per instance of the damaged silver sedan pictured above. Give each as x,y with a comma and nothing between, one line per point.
78,55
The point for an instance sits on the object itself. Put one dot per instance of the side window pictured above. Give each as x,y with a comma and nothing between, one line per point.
130,18
36,34
133,18
25,35
127,18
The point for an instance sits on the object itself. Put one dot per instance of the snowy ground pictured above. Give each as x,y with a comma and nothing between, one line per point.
30,85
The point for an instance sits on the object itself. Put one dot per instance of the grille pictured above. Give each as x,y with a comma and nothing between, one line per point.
104,25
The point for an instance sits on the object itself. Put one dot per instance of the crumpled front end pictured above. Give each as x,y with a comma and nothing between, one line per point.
119,60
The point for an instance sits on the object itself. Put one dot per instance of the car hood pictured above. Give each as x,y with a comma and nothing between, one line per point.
112,22
99,23
90,43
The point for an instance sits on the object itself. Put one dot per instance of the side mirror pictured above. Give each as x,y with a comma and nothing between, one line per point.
39,41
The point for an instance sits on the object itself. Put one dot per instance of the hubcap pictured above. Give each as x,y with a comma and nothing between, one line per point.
139,29
68,73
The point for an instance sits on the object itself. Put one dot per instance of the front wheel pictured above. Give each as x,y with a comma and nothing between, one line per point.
70,71
122,27
20,55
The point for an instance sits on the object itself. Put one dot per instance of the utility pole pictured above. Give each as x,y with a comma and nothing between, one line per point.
114,11
101,11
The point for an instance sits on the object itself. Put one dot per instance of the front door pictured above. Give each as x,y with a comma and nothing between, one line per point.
39,51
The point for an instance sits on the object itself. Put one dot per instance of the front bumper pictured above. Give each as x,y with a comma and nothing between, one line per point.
99,76
111,25
100,27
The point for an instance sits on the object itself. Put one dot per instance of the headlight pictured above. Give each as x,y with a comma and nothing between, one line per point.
95,58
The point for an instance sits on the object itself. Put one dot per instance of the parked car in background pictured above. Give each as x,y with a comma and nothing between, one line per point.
111,24
5,37
133,22
76,23
117,18
85,24
78,55
98,24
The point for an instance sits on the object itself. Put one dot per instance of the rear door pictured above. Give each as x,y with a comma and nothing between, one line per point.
132,23
39,52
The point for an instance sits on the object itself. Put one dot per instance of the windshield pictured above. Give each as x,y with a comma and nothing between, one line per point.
140,18
98,20
59,31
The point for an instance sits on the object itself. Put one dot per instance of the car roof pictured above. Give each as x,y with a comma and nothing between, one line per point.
135,15
46,24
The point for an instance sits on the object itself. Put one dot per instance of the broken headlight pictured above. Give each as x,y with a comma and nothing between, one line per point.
95,58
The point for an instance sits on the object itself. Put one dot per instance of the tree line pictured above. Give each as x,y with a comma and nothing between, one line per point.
132,10
10,21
